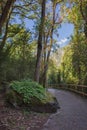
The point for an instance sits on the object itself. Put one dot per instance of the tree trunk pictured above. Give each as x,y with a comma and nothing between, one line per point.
3,42
5,13
46,63
39,47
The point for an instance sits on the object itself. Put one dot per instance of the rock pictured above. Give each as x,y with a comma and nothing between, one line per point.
49,107
16,100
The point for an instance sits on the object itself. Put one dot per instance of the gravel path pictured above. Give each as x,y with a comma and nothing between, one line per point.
71,116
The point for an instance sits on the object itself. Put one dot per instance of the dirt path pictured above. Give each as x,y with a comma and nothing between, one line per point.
71,116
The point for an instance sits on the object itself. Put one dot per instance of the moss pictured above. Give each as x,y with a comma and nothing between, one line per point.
13,98
49,97
31,95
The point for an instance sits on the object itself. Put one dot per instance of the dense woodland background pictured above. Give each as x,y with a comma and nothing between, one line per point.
26,54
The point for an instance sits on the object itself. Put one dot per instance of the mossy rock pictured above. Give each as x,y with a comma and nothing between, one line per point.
13,98
49,106
32,96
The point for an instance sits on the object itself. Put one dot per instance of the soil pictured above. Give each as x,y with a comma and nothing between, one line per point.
20,119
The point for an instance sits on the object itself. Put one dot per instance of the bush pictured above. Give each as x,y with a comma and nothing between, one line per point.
29,90
31,95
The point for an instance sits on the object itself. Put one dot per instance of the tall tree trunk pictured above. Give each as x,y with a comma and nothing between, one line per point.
46,63
46,56
5,13
39,47
50,33
3,42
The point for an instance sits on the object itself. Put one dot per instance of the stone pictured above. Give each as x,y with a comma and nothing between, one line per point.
50,106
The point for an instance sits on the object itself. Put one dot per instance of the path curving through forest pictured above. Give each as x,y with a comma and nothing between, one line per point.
72,115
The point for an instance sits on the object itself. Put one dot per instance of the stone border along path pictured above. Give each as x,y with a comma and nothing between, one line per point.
72,115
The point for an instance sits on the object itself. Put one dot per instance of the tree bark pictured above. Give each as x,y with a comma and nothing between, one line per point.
3,42
39,47
44,75
5,13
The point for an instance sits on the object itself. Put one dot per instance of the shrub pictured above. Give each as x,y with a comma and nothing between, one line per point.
29,90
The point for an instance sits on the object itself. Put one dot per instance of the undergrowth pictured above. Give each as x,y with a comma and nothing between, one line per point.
30,90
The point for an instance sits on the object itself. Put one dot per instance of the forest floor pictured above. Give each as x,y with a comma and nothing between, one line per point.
20,119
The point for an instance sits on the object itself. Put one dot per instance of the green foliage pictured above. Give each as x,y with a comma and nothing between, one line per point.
18,56
74,62
52,72
17,64
29,90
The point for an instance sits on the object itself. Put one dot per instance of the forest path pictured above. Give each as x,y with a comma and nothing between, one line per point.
72,115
